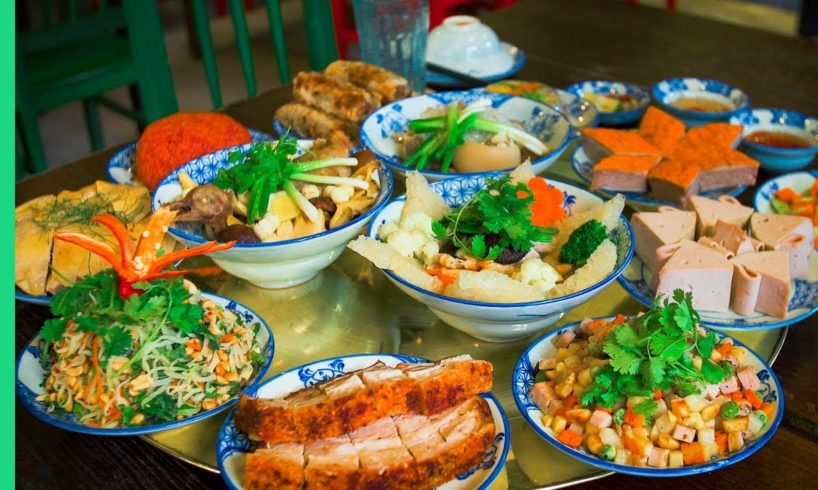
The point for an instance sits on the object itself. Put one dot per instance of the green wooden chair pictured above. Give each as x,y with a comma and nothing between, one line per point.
79,57
320,40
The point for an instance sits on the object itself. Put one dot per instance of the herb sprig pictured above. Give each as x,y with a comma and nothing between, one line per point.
502,211
655,351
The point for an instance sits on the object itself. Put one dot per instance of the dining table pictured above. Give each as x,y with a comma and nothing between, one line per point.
565,42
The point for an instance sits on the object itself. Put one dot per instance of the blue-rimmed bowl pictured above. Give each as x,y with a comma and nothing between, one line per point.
668,91
800,182
584,168
232,444
275,264
30,376
606,87
540,120
486,74
523,379
505,322
119,168
803,303
774,159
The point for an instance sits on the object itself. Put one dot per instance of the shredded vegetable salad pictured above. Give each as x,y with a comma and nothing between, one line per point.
162,355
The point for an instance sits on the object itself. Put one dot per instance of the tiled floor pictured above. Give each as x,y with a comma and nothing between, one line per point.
64,131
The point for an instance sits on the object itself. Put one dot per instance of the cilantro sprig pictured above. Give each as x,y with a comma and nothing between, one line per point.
494,218
655,351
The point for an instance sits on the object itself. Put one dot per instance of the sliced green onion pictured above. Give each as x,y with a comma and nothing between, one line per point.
475,107
329,162
330,179
301,201
427,125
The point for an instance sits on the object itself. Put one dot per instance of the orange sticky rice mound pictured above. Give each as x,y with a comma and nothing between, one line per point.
172,141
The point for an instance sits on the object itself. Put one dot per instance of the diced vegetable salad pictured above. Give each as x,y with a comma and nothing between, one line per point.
790,201
654,390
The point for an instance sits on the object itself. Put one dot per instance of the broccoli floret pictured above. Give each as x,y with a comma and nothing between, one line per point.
582,242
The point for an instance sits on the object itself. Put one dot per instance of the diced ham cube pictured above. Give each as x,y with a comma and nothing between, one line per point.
748,378
684,434
658,457
600,419
543,395
577,427
732,360
547,364
730,385
564,339
712,391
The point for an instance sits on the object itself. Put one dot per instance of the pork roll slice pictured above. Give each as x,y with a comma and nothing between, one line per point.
661,129
699,269
672,180
761,282
603,142
710,211
792,234
663,227
279,467
623,173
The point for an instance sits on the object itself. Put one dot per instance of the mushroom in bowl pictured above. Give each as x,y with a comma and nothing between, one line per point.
473,132
499,258
291,206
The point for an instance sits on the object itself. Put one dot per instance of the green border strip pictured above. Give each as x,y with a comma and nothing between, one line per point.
7,180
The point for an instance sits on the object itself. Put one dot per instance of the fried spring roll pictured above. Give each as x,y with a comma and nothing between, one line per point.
314,123
389,85
334,96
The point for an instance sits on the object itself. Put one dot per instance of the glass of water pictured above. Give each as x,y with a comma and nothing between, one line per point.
392,34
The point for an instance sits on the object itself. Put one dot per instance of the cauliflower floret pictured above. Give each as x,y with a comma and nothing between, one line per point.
310,191
387,229
412,237
418,221
537,273
403,242
266,226
429,250
342,194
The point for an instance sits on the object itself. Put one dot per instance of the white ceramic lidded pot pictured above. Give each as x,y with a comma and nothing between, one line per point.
463,43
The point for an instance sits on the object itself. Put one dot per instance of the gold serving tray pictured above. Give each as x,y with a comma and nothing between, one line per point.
353,308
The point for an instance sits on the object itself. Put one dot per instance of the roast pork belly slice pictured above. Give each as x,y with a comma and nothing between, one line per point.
790,233
672,180
661,129
351,402
386,463
734,169
279,467
701,270
446,384
468,435
424,443
623,173
603,142
663,227
266,420
312,415
761,282
710,211
734,238
394,392
381,428
332,463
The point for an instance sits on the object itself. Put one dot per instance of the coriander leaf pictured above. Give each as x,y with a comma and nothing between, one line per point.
478,246
117,341
623,361
706,344
713,373
53,329
652,372
645,408
439,230
626,336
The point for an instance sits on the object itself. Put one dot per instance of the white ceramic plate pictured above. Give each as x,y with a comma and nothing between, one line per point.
30,375
523,380
803,303
232,444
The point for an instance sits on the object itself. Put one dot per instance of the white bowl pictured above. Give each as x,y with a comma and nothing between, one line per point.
462,42
505,322
276,264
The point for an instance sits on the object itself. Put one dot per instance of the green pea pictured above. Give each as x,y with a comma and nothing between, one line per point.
619,416
729,410
607,452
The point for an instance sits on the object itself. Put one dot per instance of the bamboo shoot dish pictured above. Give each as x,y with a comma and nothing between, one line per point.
271,195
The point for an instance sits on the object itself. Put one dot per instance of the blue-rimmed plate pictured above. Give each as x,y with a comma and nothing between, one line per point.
803,302
800,182
584,168
30,375
487,74
607,87
119,168
542,121
232,444
506,322
666,92
523,379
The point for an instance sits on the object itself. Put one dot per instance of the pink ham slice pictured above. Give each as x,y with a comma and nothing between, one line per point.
654,229
735,239
718,247
761,281
700,270
710,211
748,378
793,234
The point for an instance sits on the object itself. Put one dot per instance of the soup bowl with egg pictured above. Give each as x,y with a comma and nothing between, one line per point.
698,101
782,140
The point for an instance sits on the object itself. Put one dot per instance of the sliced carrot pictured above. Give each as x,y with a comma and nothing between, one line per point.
804,208
768,410
570,438
634,420
786,194
814,189
657,395
753,398
737,396
570,401
721,441
547,206
725,349
619,320
693,453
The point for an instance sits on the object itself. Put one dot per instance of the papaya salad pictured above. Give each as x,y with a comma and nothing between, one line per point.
655,390
134,345
511,241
